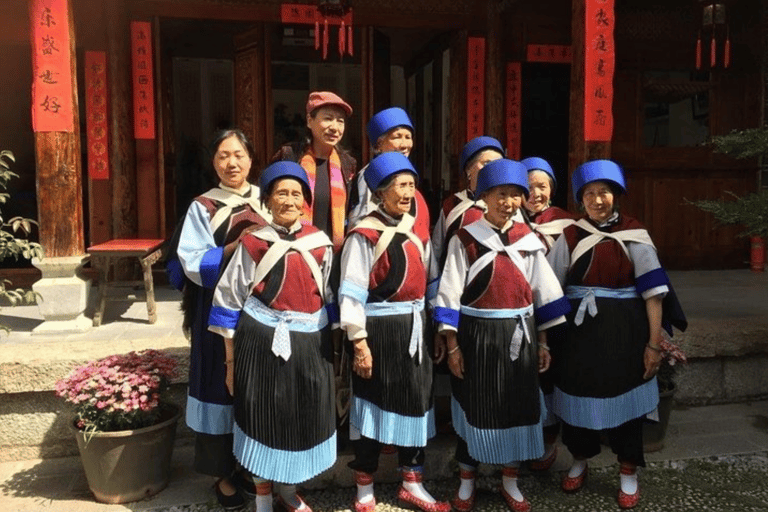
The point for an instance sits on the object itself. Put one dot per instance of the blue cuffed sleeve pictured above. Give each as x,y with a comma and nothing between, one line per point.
653,279
332,310
223,317
552,310
353,291
209,267
175,273
443,315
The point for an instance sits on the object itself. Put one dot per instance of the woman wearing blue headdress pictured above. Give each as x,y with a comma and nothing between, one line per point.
497,297
605,370
385,272
273,306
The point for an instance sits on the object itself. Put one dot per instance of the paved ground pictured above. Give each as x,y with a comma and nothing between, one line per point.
715,458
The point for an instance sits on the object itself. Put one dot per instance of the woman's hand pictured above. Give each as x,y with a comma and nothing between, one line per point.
545,359
455,357
651,360
439,348
363,362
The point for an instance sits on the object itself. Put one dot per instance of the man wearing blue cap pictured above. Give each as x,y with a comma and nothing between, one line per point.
461,209
389,130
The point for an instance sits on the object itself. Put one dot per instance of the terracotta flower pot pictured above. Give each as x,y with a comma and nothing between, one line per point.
128,465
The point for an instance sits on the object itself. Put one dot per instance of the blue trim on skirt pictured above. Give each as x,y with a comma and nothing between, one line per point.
601,413
391,428
551,418
209,418
283,466
500,446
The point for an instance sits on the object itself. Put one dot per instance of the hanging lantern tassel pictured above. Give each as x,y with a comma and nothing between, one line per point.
342,36
350,49
712,51
325,39
317,35
698,51
727,51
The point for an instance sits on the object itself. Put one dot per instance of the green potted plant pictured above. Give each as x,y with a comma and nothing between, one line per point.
10,245
672,357
750,211
124,425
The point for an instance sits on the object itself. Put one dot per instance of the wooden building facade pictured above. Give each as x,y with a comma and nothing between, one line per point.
219,63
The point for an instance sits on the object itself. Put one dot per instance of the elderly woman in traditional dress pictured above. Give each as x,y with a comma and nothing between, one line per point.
606,368
461,208
389,130
329,168
547,222
385,268
273,306
212,228
495,282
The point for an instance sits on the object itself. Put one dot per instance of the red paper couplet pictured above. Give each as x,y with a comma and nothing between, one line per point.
305,14
96,115
51,71
475,87
513,88
551,53
599,60
143,80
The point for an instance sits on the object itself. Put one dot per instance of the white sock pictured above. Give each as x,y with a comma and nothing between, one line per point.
418,490
364,493
263,503
629,483
288,493
578,467
510,486
467,485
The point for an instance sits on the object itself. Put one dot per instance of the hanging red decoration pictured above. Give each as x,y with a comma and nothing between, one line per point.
599,65
713,25
698,51
325,14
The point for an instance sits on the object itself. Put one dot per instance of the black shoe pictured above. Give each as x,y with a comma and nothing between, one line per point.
234,502
244,483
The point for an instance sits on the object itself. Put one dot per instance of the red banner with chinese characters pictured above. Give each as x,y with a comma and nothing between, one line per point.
550,53
475,87
599,59
96,115
513,109
51,71
305,14
143,82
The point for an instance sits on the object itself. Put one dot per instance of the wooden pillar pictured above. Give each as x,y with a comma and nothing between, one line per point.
122,152
494,69
457,94
59,178
251,94
367,96
579,151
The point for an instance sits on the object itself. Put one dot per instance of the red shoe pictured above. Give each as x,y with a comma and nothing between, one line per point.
513,504
628,500
288,508
460,504
573,484
411,502
368,506
543,464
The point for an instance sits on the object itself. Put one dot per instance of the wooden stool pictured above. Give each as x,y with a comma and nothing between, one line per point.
103,256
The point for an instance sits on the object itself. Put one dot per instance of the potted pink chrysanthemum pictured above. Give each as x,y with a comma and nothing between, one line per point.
119,402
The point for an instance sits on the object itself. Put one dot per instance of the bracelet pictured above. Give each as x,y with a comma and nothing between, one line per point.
454,349
229,361
545,347
656,349
336,353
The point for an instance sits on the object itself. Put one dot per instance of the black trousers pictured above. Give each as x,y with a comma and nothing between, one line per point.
367,455
214,455
462,454
626,441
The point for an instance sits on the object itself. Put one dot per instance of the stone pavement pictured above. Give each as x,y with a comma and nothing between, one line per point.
715,458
